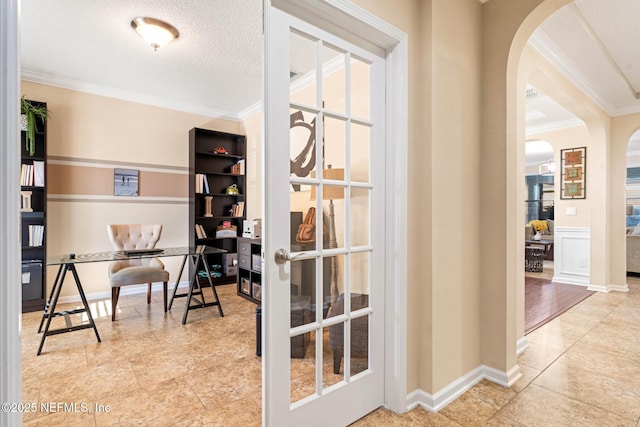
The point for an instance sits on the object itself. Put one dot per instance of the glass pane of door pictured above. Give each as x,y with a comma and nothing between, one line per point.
330,213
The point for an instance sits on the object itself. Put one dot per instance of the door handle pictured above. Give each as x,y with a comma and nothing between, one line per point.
282,255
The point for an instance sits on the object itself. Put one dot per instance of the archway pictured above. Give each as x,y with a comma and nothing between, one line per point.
507,71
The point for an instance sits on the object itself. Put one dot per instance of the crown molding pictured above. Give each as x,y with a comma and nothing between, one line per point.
252,109
541,42
124,95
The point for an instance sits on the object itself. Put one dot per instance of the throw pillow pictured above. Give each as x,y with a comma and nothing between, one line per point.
539,225
550,225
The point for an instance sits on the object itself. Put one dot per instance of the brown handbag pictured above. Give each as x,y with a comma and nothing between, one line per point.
307,230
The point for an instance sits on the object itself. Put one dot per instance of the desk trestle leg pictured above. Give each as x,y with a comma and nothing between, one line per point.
50,308
196,290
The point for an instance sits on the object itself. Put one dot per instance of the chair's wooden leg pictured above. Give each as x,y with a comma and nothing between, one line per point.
164,295
115,294
149,294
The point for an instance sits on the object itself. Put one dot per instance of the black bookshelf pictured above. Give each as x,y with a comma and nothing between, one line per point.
220,170
33,223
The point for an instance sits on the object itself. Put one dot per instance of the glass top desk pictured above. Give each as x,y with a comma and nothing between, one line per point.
67,262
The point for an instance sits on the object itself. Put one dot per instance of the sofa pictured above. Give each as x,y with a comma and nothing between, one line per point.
545,226
633,251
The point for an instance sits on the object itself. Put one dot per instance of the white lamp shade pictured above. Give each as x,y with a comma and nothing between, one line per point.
155,32
330,192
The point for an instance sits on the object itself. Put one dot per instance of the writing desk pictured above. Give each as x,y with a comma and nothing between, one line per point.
67,263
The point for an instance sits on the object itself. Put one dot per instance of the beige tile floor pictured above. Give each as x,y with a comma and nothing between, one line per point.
581,369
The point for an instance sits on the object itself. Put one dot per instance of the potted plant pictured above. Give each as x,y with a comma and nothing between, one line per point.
31,112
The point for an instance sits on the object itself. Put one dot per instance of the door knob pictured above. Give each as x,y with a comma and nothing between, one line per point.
282,256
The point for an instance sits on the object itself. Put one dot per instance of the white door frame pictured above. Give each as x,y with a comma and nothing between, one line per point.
344,19
10,292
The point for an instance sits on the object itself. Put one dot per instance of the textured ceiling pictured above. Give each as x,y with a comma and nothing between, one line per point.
594,42
214,67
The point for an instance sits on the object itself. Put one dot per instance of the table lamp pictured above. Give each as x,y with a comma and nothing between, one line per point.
332,193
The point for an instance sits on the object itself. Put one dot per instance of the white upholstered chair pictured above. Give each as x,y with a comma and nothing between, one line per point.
135,271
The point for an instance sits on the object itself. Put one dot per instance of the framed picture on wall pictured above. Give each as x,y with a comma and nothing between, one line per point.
125,182
574,173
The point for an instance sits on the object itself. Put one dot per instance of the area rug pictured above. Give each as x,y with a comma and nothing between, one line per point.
545,300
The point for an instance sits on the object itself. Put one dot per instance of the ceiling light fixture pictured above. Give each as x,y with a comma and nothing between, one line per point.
547,168
154,31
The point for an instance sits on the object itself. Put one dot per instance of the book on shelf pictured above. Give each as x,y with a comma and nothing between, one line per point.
202,183
238,168
36,235
200,233
206,184
26,175
38,173
238,209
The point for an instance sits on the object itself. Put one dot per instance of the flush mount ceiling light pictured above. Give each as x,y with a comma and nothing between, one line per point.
154,31
547,168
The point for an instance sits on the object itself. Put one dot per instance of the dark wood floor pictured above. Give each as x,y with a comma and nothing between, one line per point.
545,300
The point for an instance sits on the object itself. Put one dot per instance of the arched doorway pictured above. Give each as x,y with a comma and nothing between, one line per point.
508,64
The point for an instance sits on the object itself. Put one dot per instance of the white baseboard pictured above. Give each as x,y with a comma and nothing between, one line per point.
618,288
609,288
437,401
571,281
591,287
125,290
521,345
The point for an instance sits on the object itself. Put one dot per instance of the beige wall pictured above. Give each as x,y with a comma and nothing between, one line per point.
456,189
88,136
413,17
506,27
444,146
253,130
465,286
570,138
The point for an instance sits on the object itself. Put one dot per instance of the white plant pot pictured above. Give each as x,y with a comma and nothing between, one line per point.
23,122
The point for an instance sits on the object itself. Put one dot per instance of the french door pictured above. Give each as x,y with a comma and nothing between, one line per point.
324,272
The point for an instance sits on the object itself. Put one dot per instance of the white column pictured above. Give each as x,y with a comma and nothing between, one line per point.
10,290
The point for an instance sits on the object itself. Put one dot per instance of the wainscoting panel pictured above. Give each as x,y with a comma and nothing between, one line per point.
572,255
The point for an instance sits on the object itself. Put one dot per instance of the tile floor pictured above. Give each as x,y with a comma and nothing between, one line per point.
580,369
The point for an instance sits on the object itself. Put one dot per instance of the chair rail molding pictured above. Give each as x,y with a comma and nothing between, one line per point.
572,252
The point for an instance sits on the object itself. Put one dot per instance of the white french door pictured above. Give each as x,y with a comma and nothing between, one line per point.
323,286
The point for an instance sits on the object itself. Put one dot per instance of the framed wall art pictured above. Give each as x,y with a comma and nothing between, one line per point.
125,182
573,183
